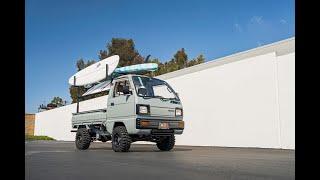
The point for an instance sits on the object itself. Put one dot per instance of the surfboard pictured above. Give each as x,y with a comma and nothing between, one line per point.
104,86
95,72
138,68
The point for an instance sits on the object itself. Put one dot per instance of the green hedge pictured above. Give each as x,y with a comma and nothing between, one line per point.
32,138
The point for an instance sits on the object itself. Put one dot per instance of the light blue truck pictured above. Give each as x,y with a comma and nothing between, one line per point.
139,108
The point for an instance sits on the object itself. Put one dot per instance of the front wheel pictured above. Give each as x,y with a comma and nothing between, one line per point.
83,139
121,140
166,143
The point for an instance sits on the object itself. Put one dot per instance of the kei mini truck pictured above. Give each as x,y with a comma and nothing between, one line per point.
139,108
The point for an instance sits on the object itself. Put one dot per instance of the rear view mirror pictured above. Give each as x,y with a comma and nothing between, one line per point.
142,91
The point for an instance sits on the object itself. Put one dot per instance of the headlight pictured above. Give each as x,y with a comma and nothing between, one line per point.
143,109
178,112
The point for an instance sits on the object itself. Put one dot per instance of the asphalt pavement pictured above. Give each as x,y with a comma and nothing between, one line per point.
57,160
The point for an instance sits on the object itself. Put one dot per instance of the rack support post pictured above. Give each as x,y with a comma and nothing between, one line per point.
107,69
74,84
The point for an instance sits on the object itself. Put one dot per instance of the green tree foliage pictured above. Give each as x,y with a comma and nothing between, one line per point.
125,48
180,60
57,101
81,64
103,54
73,92
200,59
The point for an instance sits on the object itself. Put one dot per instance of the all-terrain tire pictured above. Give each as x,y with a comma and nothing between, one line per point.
83,139
121,140
166,143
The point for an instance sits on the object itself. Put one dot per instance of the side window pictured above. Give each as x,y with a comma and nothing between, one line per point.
118,91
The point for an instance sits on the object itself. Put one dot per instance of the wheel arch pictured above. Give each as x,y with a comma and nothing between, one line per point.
81,126
116,124
111,124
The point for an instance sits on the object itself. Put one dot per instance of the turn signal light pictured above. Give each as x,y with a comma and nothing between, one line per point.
181,124
144,123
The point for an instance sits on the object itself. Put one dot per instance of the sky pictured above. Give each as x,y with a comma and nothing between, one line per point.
59,32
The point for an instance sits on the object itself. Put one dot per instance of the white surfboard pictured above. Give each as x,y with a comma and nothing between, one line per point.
104,86
95,72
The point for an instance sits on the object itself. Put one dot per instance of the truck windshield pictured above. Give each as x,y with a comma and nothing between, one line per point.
154,87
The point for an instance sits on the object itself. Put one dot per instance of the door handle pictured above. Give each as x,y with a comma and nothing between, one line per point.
112,104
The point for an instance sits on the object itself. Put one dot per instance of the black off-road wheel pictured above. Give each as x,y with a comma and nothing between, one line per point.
166,143
121,140
83,139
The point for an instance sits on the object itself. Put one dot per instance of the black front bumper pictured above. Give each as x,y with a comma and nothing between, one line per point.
154,124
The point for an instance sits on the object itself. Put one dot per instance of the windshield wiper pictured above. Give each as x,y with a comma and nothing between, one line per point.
173,98
163,98
147,96
158,97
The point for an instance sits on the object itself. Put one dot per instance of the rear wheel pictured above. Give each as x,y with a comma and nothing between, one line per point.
121,140
166,143
83,139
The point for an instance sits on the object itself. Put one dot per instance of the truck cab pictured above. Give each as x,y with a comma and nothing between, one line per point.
139,108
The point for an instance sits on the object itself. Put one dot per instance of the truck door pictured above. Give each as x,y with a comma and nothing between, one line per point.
121,105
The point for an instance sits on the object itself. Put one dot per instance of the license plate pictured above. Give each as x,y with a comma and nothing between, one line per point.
164,125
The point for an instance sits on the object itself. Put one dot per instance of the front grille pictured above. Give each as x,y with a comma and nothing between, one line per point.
154,124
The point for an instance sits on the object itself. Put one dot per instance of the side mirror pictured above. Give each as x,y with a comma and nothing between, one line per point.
142,91
126,90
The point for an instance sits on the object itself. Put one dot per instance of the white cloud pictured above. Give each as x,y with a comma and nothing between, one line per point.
256,19
283,21
237,27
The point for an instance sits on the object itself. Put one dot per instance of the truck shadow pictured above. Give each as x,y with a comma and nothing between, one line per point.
157,150
140,149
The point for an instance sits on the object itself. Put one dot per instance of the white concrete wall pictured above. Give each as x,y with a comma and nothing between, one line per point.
246,103
286,78
236,104
56,123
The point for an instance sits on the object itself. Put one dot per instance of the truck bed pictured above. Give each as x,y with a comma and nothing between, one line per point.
89,117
